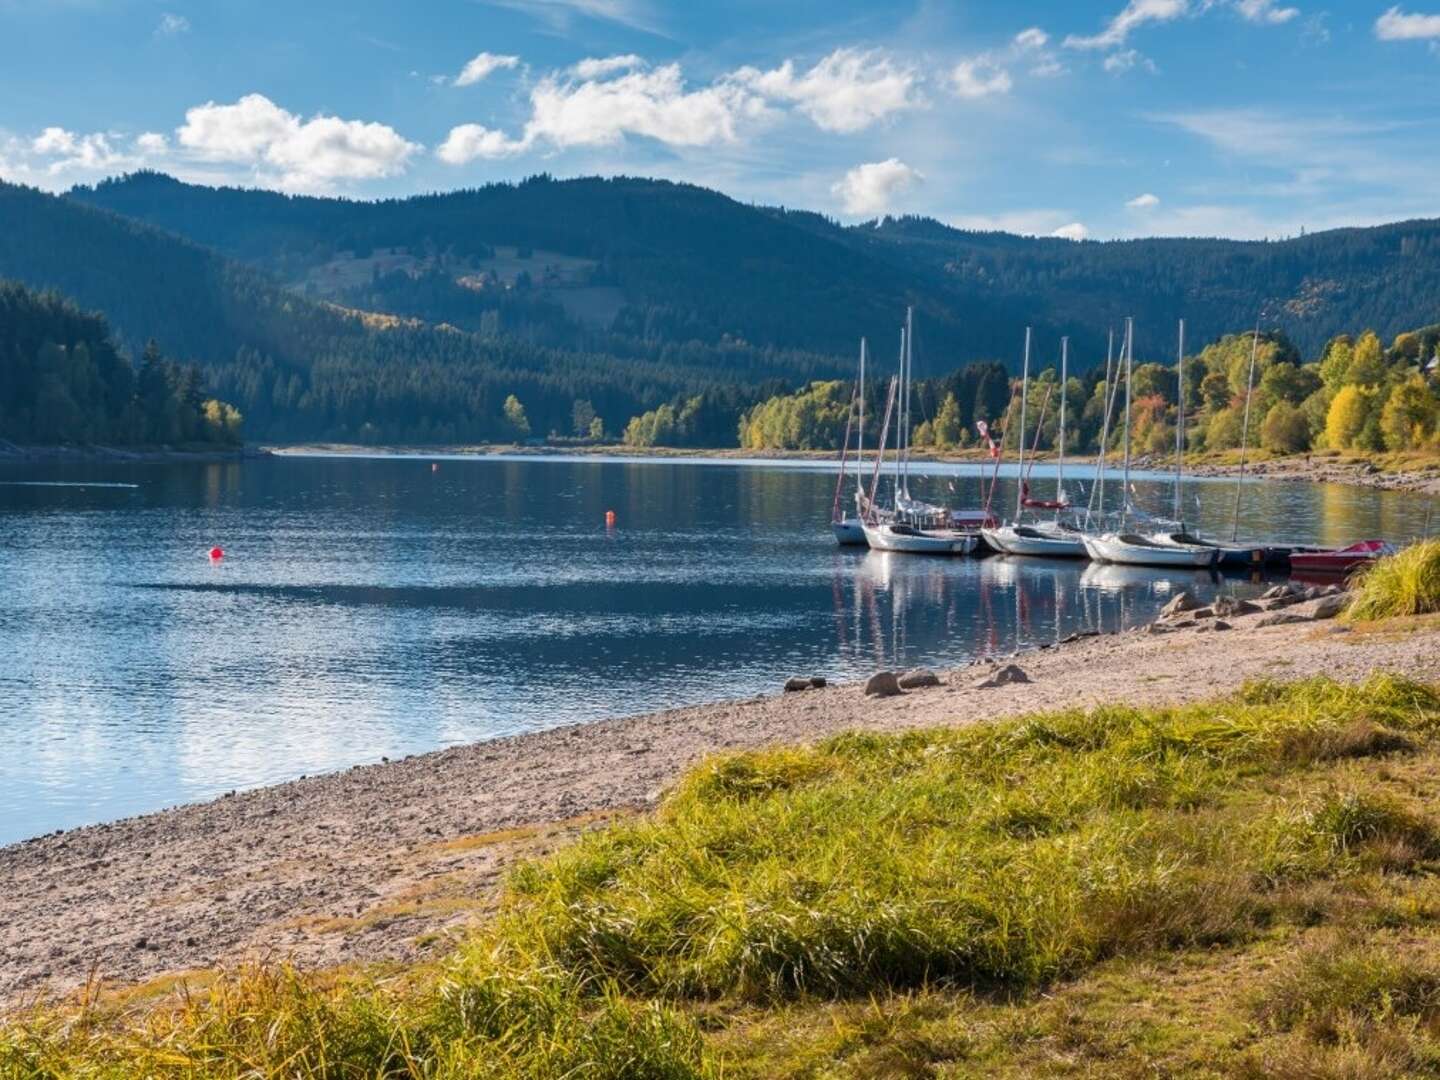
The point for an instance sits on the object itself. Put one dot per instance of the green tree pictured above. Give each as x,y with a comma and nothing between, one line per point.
1285,429
1335,361
1409,414
515,418
1368,366
597,428
582,415
947,426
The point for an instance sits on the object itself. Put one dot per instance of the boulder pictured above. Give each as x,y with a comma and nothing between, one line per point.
1275,592
1181,603
1278,602
1204,613
920,677
1332,590
796,683
1281,618
1003,676
1230,606
1330,606
882,684
817,682
1159,628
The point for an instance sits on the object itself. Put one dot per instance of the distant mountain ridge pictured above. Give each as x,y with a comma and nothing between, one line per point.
302,369
694,264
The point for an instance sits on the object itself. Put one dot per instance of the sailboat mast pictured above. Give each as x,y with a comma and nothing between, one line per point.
1020,446
899,418
909,386
1129,350
1179,418
1245,432
860,438
1064,374
1098,489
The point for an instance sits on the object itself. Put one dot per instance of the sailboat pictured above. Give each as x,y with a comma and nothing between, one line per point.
1177,534
1053,538
1128,547
914,526
850,531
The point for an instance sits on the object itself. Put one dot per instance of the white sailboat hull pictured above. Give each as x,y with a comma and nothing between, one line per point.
849,533
1134,550
915,542
1036,542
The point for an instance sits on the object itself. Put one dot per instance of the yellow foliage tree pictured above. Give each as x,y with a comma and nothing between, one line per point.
1347,416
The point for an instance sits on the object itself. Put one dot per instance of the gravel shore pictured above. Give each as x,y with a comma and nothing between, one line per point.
386,861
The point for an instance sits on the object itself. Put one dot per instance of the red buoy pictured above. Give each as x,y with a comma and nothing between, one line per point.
609,519
216,554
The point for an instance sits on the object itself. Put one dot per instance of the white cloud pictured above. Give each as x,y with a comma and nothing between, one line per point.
979,77
1033,38
483,66
291,153
172,25
846,92
1119,62
470,141
1074,231
57,151
599,67
653,103
1265,11
1146,201
869,190
1396,25
1135,14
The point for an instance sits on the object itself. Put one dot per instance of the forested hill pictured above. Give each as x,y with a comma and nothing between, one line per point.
304,369
680,262
62,380
683,263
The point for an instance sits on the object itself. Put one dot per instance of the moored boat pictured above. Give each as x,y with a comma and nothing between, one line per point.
897,536
1046,539
1132,549
1343,561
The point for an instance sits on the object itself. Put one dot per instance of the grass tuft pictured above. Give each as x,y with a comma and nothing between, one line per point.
1407,583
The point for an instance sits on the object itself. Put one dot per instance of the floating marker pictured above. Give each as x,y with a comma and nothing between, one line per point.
609,519
434,466
216,554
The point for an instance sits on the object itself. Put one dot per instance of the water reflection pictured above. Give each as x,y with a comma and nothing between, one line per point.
372,607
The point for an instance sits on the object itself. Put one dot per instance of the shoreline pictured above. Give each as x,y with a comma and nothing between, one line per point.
1422,479
11,453
389,862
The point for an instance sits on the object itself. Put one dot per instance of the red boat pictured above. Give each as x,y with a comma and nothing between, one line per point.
1342,562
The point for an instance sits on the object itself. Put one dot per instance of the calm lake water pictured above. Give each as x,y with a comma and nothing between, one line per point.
372,607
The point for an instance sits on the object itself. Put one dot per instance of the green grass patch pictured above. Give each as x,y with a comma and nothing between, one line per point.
1403,584
967,901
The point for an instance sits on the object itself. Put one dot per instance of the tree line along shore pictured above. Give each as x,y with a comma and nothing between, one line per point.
64,380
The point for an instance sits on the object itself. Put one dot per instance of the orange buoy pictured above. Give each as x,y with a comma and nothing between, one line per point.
216,554
609,519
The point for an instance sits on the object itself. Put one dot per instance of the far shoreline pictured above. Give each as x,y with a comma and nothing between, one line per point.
1392,473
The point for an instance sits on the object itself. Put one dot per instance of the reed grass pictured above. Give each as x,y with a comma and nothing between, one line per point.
876,905
1406,583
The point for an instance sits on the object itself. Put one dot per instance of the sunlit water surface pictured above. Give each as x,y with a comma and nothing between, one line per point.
375,607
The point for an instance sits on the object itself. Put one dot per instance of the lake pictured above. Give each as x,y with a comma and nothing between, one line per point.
374,607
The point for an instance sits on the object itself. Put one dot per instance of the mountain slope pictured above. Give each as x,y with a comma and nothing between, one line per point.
298,368
690,263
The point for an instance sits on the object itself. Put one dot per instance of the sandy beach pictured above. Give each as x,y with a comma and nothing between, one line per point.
386,861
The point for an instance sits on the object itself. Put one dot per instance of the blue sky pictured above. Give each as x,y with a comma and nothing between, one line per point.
1240,118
